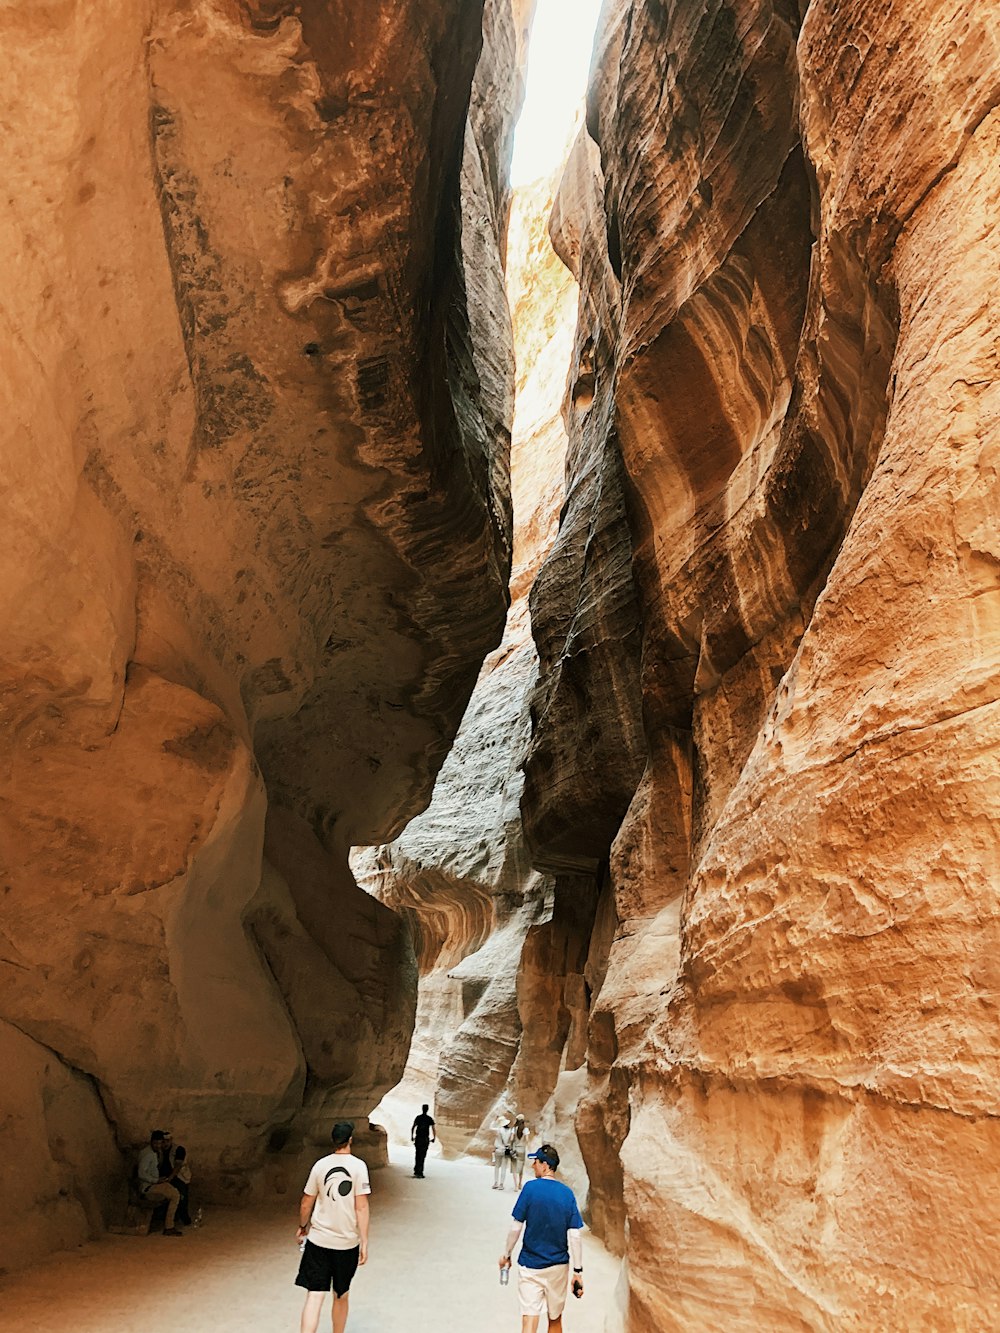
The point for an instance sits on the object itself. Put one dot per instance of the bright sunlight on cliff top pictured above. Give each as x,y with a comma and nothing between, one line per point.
562,39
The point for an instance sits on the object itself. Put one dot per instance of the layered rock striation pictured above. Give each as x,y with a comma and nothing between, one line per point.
792,1069
461,873
257,543
713,859
587,748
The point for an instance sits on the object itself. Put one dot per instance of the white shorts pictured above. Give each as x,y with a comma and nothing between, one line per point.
543,1291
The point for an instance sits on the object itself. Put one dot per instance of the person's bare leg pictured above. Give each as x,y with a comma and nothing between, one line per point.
166,1192
309,1323
529,1323
555,1325
340,1308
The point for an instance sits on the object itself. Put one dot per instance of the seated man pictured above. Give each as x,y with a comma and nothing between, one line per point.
152,1187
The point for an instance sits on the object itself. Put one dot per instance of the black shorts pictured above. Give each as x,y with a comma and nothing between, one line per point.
321,1269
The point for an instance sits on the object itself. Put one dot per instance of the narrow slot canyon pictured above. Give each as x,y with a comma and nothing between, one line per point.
503,616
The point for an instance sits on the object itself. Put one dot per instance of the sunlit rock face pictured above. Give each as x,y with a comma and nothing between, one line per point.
460,873
795,1045
256,545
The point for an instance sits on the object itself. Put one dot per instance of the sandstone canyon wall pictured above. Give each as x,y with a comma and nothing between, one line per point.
256,545
460,873
785,220
741,902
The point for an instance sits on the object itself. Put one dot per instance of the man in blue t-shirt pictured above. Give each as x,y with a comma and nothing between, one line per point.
546,1211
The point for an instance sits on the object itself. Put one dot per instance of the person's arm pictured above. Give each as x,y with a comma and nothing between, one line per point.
574,1238
512,1238
362,1213
434,1137
413,1131
148,1169
306,1206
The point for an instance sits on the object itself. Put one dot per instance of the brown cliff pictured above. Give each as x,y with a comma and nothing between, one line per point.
794,1046
256,546
460,872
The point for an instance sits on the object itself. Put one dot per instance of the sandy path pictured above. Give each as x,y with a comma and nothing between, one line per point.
432,1270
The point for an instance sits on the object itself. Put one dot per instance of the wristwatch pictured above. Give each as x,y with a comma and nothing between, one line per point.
577,1270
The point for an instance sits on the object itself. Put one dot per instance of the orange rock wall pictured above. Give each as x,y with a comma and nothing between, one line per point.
794,1041
256,545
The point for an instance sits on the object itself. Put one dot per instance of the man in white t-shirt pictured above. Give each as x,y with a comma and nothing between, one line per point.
333,1224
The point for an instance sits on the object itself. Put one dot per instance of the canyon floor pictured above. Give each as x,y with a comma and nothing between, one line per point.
432,1267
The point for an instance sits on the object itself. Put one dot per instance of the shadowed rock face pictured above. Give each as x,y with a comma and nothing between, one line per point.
256,545
460,873
792,1055
587,747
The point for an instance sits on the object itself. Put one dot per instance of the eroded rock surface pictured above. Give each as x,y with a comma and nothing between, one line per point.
460,872
587,747
794,1041
256,545
61,1159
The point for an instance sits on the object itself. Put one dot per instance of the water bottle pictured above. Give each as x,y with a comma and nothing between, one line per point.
198,1218
505,1275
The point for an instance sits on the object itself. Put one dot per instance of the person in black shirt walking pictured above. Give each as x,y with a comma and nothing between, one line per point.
421,1136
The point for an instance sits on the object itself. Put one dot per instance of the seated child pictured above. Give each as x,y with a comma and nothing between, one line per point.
182,1171
180,1178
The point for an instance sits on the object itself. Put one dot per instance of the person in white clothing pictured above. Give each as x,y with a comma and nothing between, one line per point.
502,1140
333,1229
152,1186
519,1143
